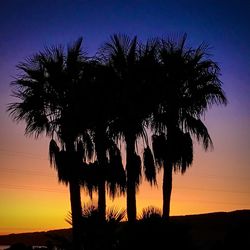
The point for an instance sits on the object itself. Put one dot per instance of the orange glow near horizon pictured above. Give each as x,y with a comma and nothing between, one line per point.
32,200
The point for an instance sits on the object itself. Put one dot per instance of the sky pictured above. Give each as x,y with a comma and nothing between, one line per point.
31,198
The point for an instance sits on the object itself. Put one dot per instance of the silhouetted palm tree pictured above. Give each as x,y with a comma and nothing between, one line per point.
50,90
116,176
102,112
174,153
98,126
122,55
190,85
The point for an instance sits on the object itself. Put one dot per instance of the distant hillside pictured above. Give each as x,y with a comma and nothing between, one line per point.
36,238
213,231
221,230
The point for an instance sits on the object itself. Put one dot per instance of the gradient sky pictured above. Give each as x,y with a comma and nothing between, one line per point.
31,198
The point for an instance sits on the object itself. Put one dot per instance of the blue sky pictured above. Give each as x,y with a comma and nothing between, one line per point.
27,26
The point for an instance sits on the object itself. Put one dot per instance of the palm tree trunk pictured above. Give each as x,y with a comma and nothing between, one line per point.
166,190
75,201
76,211
102,160
131,186
131,201
102,200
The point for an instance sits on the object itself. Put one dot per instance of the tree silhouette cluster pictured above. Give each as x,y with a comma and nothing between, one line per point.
128,91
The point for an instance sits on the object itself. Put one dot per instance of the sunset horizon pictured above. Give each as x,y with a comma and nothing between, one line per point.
32,199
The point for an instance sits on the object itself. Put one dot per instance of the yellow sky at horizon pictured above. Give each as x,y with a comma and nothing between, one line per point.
32,200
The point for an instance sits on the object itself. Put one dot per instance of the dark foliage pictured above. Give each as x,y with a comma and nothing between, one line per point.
89,105
149,166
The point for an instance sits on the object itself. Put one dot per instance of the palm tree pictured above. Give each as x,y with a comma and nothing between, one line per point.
50,89
190,85
122,55
173,153
102,112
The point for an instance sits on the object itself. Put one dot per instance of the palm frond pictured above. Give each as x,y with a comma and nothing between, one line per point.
53,151
159,144
116,176
181,151
115,215
75,59
197,129
89,177
136,171
149,166
89,210
80,149
150,213
88,146
68,218
181,42
187,152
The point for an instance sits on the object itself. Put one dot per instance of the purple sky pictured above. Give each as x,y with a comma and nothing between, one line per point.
27,26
